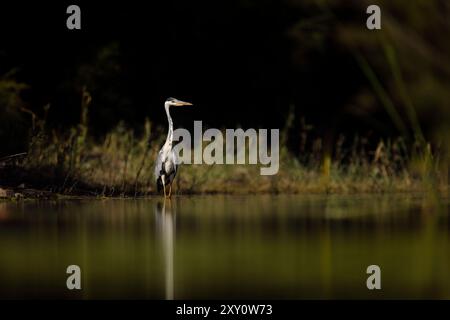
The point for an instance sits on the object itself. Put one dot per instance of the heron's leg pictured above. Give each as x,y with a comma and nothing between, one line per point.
164,185
170,190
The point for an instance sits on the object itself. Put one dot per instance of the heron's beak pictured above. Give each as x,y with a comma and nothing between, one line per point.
183,103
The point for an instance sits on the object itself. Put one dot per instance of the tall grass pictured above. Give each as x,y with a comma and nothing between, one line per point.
121,164
429,166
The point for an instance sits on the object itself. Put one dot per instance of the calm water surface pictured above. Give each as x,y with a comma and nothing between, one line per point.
227,247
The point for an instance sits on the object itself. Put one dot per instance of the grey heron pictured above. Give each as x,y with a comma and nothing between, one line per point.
166,162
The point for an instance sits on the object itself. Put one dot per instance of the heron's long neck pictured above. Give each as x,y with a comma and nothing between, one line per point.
169,138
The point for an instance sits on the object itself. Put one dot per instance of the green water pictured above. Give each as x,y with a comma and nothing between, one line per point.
227,247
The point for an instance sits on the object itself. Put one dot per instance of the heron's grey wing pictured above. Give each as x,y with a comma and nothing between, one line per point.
174,167
158,166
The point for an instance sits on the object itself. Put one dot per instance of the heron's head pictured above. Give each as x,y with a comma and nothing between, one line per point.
176,103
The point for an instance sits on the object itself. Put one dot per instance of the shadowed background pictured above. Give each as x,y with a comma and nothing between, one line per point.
240,62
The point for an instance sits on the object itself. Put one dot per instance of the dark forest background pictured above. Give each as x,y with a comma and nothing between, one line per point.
242,63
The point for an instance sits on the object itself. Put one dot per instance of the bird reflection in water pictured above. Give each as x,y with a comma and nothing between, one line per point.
165,221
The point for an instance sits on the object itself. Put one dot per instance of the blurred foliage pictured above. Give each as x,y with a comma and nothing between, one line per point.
406,66
410,55
103,74
13,128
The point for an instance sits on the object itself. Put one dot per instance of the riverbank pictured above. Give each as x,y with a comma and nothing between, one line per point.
22,182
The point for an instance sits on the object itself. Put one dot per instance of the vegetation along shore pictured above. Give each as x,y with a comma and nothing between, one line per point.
120,164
